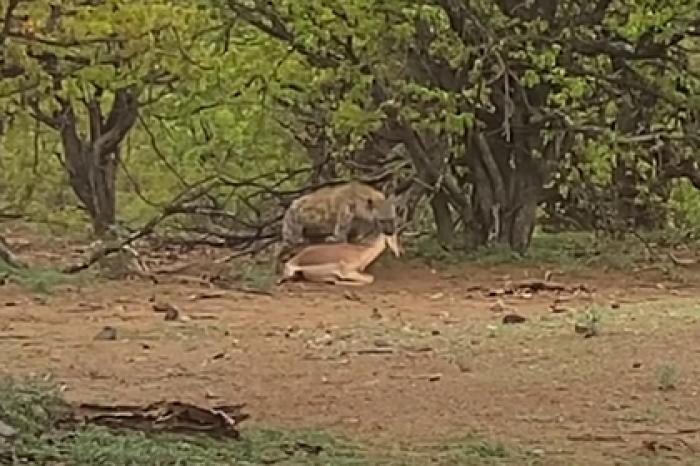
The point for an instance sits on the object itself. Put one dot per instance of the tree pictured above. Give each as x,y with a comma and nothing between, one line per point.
489,97
85,69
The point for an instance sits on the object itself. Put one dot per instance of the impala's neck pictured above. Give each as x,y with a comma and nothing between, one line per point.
373,251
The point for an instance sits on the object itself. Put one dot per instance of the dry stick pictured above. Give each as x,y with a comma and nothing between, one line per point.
677,261
7,256
681,262
595,438
681,431
173,208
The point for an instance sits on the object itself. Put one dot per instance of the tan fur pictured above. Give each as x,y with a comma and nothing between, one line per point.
339,264
345,213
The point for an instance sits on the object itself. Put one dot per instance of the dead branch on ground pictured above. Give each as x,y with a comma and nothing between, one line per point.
174,207
532,286
164,416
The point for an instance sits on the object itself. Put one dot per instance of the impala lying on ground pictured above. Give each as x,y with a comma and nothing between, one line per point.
339,263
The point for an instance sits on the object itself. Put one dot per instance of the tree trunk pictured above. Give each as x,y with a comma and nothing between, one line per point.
521,216
440,206
92,176
507,187
92,162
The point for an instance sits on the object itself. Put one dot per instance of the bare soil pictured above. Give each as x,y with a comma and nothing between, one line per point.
420,356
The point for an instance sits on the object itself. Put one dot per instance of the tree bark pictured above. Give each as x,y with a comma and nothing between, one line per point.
440,206
92,162
507,188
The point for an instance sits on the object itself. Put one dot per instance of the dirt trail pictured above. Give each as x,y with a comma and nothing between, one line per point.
418,356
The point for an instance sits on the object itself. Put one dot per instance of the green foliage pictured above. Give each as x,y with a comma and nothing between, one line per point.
668,375
685,204
227,90
567,251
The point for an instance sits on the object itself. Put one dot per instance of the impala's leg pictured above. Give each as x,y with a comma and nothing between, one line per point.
321,273
288,274
354,278
327,276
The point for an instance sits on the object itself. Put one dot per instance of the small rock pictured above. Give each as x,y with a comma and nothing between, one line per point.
351,296
375,314
326,339
107,333
437,296
382,343
615,305
170,311
586,330
513,319
163,307
636,365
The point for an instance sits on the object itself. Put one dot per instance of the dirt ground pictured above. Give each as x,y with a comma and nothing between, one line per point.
420,356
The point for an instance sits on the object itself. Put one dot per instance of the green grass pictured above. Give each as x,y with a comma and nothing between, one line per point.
35,279
256,276
467,452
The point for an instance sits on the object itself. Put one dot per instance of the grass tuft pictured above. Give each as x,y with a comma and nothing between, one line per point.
34,279
33,408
